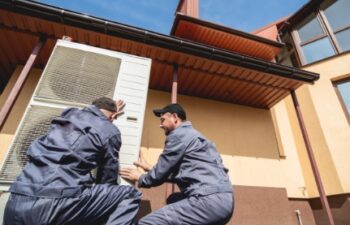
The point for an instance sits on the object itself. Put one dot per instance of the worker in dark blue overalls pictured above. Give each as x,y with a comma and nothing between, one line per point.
56,186
193,163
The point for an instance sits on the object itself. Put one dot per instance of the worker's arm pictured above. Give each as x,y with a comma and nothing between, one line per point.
146,167
108,168
167,162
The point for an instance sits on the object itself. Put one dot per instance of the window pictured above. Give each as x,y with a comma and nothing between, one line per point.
343,91
324,33
314,41
310,29
344,39
317,50
338,16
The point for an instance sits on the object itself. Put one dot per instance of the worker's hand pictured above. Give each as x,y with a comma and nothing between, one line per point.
130,174
120,107
141,162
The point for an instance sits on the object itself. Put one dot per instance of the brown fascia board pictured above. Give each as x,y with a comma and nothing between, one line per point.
75,19
299,15
219,27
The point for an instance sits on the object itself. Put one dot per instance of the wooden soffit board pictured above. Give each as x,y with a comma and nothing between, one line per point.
212,34
197,76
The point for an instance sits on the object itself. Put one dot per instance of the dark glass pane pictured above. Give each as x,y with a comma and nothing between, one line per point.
317,50
310,30
344,89
338,14
344,39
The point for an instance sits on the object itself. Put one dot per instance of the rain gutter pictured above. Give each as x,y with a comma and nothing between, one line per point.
71,18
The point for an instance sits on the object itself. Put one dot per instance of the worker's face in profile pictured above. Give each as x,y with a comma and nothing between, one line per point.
168,122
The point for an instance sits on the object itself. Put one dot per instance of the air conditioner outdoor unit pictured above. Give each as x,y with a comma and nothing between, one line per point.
74,76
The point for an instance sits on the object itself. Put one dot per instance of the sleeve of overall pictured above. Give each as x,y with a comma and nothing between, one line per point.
67,111
108,166
168,160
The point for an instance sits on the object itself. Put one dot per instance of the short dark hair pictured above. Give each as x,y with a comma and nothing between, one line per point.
172,108
105,103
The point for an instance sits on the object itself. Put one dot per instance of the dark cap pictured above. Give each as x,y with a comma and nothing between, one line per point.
172,108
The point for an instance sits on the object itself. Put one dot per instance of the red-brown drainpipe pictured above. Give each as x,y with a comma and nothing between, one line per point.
174,87
4,112
313,163
170,188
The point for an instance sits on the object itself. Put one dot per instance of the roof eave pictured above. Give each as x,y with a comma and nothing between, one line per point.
108,27
219,27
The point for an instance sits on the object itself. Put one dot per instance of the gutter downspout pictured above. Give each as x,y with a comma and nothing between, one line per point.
298,213
170,188
4,112
312,159
174,87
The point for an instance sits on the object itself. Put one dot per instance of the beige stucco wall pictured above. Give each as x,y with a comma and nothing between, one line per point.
327,124
244,136
16,113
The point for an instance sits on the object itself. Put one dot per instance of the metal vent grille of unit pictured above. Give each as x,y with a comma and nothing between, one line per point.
36,123
78,76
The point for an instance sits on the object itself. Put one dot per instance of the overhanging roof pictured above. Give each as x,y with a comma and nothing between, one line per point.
212,34
204,71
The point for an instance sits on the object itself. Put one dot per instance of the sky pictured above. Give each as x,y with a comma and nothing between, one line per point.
158,15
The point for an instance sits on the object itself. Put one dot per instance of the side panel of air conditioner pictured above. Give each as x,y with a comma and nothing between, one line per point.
75,75
132,87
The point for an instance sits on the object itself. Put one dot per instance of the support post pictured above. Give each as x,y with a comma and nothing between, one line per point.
170,188
20,81
188,8
174,86
312,159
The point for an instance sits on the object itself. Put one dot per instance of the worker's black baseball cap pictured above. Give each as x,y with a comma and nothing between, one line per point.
171,108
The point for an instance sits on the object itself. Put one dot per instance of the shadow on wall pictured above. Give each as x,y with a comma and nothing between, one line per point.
152,200
145,209
236,130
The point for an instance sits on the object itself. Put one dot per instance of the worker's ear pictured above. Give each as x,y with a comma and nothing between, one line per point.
177,118
114,116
